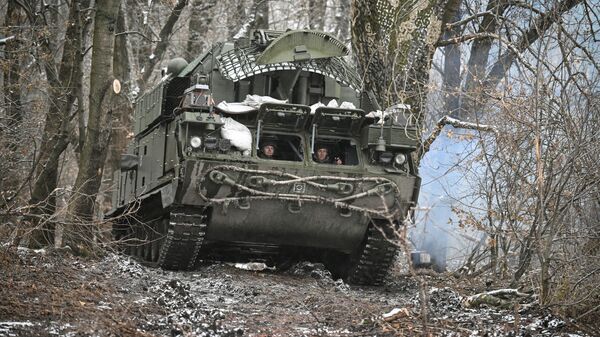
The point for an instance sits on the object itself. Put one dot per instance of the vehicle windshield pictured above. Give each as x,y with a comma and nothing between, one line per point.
280,147
335,152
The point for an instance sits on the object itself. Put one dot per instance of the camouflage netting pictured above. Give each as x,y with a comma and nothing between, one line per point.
239,64
394,42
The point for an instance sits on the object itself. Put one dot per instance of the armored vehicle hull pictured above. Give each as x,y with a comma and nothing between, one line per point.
279,176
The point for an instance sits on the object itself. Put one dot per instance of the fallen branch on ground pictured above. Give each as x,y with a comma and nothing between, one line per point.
502,298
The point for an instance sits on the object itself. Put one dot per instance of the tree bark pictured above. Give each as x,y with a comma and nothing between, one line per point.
123,114
93,154
261,8
542,23
12,76
258,18
200,21
11,104
316,14
452,62
342,30
478,59
394,45
235,19
63,90
161,46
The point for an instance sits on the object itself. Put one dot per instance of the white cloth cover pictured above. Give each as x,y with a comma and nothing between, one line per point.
237,133
251,103
257,100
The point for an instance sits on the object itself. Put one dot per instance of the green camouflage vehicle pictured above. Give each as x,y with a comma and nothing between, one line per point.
245,154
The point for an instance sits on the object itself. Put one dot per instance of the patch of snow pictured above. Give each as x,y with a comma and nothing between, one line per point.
6,327
25,250
391,313
253,266
341,286
104,306
508,318
135,91
6,39
9,323
556,323
143,300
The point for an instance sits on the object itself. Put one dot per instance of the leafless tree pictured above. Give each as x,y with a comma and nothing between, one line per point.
97,136
530,71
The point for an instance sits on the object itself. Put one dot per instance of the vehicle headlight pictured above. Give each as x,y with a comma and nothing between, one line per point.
195,142
386,157
400,159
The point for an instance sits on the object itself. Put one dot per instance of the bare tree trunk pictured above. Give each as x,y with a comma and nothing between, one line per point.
56,129
525,254
235,19
316,14
480,53
257,18
261,9
93,154
394,45
200,21
342,14
451,77
542,23
11,104
123,114
12,76
161,46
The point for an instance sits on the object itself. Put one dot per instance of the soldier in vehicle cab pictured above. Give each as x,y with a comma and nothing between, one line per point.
321,156
268,150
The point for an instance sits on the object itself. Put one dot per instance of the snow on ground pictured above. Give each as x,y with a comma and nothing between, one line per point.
55,294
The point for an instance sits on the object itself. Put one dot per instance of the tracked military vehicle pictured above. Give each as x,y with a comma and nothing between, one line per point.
197,184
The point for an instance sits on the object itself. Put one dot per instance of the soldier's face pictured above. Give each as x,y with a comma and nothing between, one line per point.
269,150
322,154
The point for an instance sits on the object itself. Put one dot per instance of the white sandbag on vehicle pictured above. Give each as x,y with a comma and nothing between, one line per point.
347,105
235,108
382,115
314,107
238,134
332,104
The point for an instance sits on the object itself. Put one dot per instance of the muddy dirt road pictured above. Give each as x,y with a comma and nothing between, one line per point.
51,293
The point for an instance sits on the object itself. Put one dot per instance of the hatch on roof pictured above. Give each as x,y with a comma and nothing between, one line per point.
336,121
283,117
302,45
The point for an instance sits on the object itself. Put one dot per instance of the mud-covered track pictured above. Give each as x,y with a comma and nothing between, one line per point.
172,242
376,257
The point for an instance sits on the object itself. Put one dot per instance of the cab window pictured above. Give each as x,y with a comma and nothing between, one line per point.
280,147
335,152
